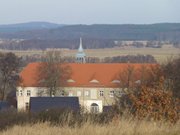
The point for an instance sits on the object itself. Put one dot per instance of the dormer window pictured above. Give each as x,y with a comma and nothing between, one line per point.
94,81
115,81
70,81
138,82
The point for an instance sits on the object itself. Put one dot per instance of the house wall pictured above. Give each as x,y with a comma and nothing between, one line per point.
23,97
106,99
87,95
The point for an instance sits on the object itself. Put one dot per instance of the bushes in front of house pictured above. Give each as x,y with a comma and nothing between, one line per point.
158,105
156,97
151,104
9,118
61,117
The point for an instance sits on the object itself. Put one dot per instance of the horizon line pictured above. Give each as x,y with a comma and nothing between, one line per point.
165,22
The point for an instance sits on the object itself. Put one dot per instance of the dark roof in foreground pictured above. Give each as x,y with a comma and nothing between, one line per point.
38,104
4,105
107,109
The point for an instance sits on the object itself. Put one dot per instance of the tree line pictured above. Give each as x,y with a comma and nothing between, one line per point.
159,32
88,43
116,59
43,44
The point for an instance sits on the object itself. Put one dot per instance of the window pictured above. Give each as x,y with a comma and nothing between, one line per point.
101,93
138,82
111,93
41,92
70,93
28,92
20,93
78,93
94,108
120,93
27,106
86,93
62,93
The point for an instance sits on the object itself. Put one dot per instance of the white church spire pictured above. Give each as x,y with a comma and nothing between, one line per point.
80,56
80,46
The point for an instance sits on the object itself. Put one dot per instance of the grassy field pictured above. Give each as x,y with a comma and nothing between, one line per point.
160,54
123,127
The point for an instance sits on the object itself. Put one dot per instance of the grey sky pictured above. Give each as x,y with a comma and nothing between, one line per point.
90,11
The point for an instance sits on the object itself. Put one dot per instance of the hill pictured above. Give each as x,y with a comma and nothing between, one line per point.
27,26
46,35
161,31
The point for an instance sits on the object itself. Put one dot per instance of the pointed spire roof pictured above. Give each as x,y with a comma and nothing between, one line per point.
80,46
80,55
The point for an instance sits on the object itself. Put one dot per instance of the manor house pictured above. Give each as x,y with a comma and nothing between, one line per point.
95,84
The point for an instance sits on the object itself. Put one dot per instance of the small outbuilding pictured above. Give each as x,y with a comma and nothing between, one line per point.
38,104
4,105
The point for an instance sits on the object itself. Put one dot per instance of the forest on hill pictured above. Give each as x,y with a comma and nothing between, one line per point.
19,27
94,36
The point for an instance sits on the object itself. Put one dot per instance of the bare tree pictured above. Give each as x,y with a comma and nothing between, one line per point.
53,73
9,65
172,76
127,77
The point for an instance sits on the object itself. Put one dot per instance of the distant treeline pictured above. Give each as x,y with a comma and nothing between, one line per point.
59,43
94,36
131,59
123,59
88,43
161,31
117,59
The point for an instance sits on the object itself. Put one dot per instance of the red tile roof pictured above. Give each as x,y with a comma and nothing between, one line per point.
102,74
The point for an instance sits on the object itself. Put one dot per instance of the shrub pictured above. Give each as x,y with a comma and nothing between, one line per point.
8,118
60,117
153,104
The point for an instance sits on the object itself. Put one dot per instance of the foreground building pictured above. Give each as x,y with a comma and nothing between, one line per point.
39,104
4,106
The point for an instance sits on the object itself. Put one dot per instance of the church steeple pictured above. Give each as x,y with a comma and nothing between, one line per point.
80,56
80,46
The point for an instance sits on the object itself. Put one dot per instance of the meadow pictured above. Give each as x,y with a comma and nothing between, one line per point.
120,127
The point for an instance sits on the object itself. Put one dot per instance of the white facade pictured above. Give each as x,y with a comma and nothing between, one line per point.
23,95
91,99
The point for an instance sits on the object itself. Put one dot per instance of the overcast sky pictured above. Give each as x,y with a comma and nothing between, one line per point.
90,11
